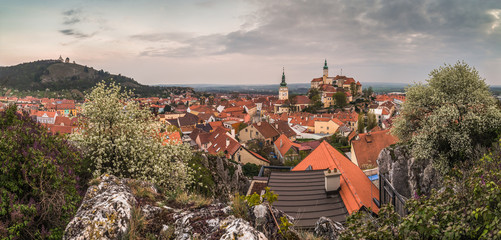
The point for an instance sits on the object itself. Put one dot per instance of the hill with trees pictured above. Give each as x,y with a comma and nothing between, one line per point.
54,75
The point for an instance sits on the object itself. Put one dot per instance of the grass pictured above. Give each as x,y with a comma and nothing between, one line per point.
239,207
193,199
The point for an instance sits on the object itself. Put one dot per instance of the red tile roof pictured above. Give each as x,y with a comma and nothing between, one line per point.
356,188
302,99
317,80
171,138
222,142
368,147
283,144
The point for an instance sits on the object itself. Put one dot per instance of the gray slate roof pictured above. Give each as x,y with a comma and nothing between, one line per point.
301,194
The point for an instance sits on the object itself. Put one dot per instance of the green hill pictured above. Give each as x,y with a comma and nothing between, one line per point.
58,76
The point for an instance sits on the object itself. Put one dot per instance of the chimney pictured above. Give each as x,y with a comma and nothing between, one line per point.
227,142
332,180
233,132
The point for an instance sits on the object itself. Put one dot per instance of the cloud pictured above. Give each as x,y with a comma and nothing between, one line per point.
386,30
77,34
72,16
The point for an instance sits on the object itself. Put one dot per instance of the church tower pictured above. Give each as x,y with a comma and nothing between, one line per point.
283,91
326,72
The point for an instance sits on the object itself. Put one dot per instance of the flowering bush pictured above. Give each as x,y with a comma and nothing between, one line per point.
451,119
121,138
39,191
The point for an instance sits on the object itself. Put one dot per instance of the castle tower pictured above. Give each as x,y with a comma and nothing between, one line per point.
326,72
283,91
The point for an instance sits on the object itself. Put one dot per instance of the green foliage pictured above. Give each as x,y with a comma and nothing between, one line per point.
40,187
371,121
340,99
361,123
251,169
315,100
203,180
241,126
253,200
284,225
270,196
468,207
260,147
67,76
239,207
122,139
450,119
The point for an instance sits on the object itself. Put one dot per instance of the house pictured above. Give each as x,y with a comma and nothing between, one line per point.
356,190
46,117
186,123
327,125
221,142
283,128
285,149
260,130
244,156
366,149
303,195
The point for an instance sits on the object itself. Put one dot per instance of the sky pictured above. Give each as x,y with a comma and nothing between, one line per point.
250,41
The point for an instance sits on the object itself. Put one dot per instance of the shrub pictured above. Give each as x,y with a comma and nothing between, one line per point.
468,207
203,181
123,139
251,169
39,185
451,119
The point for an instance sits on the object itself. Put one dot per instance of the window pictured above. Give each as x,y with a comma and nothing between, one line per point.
246,130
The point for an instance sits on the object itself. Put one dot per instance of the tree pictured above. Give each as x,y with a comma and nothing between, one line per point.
451,118
370,92
371,121
340,99
122,139
315,101
361,123
41,179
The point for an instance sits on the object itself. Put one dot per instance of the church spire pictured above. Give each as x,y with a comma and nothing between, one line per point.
325,64
283,83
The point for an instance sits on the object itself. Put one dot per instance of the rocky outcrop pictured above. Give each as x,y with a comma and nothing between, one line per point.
105,212
263,220
110,210
328,229
229,178
407,175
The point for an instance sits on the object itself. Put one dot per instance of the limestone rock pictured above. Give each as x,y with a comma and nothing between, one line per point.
264,221
237,228
105,211
228,182
407,175
328,229
202,223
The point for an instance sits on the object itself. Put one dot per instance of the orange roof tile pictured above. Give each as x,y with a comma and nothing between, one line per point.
356,188
283,144
368,147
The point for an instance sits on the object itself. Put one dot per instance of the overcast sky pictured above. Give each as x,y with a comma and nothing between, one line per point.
248,42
